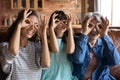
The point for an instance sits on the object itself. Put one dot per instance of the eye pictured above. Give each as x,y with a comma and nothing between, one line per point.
100,26
91,24
65,22
36,25
56,21
27,21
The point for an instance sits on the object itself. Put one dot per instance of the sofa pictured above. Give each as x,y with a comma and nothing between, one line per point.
115,36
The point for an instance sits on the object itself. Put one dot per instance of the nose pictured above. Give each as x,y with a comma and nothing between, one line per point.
94,29
32,26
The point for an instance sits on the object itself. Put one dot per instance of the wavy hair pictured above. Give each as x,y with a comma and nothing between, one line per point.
17,21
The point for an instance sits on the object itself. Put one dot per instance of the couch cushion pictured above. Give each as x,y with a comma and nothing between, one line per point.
115,36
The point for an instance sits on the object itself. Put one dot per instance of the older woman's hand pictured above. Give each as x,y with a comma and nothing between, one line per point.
87,27
103,27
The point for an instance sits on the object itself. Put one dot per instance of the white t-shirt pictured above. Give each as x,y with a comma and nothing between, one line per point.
25,65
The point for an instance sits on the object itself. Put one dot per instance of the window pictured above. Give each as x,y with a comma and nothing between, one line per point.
109,8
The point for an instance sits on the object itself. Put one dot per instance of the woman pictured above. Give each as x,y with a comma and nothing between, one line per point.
23,57
94,50
60,42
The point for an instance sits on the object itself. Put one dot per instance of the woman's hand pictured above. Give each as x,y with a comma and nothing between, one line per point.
103,28
43,25
26,21
87,26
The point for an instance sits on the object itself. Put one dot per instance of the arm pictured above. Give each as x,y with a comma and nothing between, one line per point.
6,58
111,54
81,43
45,57
53,39
80,49
70,39
10,51
14,41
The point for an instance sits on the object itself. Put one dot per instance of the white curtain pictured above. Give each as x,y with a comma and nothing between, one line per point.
109,8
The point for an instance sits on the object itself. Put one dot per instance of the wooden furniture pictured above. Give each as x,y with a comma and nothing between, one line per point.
32,4
3,34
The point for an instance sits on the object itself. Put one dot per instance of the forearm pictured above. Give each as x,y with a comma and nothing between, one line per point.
70,42
80,49
14,42
45,58
112,56
53,41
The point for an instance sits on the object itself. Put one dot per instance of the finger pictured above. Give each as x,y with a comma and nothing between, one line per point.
98,28
54,15
67,16
44,19
107,21
90,19
29,13
103,19
40,18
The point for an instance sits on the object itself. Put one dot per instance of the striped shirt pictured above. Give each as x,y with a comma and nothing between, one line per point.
25,65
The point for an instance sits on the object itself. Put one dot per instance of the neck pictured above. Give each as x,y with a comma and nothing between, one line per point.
92,43
23,42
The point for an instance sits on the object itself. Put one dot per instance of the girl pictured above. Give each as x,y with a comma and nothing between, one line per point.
61,42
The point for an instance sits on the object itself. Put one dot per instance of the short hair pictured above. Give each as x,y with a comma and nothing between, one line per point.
96,15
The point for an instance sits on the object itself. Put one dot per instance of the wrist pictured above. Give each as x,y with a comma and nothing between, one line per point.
84,32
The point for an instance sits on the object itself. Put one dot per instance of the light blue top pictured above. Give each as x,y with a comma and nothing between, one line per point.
61,67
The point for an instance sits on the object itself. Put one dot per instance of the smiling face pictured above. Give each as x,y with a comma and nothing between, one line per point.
94,34
61,28
30,30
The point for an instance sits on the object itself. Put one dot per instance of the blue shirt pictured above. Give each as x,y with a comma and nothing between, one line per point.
105,52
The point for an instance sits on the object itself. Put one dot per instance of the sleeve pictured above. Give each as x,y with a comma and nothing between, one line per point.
6,59
38,49
112,56
80,49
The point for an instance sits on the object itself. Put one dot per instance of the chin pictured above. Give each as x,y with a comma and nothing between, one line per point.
29,36
59,36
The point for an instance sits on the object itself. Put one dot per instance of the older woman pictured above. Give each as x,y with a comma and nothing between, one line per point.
94,50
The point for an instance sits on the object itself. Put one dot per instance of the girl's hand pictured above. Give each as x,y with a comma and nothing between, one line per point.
103,28
68,23
55,22
26,21
88,26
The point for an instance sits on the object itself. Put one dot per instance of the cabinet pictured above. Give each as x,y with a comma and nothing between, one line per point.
32,4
